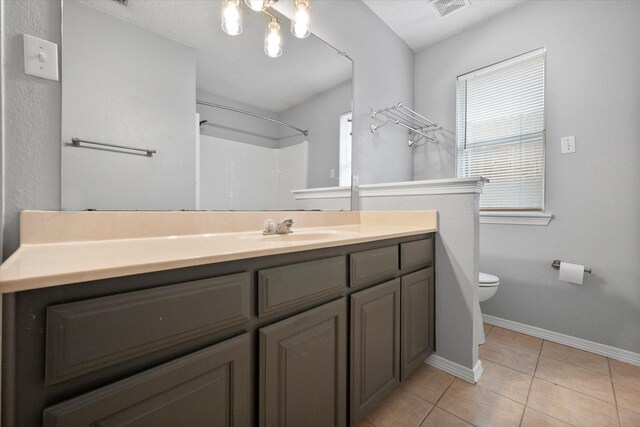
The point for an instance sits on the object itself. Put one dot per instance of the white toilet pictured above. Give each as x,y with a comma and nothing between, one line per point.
488,286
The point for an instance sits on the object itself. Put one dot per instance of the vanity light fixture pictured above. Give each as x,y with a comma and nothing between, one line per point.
300,24
231,17
273,39
260,5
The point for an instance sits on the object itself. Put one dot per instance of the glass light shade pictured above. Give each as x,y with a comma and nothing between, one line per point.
231,17
257,5
301,22
273,39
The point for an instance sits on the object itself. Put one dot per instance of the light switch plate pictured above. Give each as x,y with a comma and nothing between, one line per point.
40,58
568,144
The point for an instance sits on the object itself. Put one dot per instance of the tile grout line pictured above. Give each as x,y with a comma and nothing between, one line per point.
592,374
581,367
433,404
526,401
440,398
549,381
615,399
579,392
531,386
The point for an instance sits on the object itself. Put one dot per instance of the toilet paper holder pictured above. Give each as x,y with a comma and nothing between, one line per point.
556,264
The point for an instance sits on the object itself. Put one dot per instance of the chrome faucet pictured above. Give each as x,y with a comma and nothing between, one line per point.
284,227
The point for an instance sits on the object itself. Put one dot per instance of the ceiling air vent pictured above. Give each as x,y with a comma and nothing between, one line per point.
446,7
122,2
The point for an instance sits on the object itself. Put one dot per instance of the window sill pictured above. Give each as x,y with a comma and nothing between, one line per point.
515,218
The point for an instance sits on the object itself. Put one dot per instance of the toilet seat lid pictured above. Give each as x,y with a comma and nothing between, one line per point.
488,279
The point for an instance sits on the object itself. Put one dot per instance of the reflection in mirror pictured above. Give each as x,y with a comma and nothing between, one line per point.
232,128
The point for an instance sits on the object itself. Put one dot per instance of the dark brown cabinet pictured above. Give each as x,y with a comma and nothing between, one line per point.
207,388
303,369
375,346
92,334
418,315
312,338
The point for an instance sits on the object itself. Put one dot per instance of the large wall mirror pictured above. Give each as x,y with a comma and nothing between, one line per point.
232,128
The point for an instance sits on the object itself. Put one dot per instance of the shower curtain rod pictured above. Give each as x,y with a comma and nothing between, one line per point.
248,113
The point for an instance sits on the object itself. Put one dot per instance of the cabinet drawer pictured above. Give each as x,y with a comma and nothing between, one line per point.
416,254
373,265
89,335
210,387
294,286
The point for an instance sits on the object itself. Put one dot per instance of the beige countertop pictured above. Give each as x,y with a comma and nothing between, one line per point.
70,247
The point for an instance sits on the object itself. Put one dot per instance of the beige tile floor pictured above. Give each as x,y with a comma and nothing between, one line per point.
526,382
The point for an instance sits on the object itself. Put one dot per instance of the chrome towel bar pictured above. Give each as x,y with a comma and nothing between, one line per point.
77,141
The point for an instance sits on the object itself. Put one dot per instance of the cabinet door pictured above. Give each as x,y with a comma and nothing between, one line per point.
210,387
375,346
417,319
303,369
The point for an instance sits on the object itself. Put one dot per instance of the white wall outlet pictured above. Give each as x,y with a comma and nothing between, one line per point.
568,144
40,58
332,173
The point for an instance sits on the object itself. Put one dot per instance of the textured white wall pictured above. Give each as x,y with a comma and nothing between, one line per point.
592,92
128,86
321,117
32,118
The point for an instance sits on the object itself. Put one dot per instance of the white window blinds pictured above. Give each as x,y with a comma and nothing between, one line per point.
500,131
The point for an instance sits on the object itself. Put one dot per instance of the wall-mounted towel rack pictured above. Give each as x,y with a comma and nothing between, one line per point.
248,113
404,116
77,141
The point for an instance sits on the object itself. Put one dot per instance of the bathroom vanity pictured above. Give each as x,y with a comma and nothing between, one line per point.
316,330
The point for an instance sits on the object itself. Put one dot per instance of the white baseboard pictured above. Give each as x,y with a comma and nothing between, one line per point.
470,375
579,343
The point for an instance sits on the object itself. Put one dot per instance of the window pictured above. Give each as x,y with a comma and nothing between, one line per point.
344,174
500,131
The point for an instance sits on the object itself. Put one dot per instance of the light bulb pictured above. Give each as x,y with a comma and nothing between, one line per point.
231,17
300,24
273,39
257,5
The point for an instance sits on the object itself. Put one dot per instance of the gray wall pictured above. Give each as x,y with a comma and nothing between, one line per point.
456,267
31,145
592,92
321,117
226,124
383,75
125,85
383,67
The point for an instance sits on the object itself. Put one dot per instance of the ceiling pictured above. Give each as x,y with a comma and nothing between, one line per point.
237,67
420,25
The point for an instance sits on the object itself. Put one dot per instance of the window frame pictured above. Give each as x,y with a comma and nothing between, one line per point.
461,80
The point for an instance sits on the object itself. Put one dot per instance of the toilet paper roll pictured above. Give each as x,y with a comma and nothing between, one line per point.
573,273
